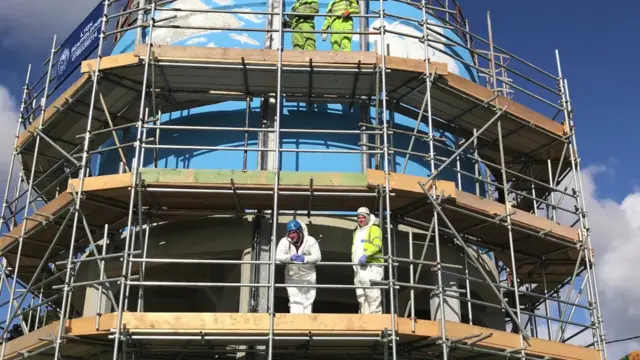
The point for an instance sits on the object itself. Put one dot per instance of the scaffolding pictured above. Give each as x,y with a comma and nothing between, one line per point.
532,218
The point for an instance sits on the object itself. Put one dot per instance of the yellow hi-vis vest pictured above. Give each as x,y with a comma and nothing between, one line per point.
372,244
336,8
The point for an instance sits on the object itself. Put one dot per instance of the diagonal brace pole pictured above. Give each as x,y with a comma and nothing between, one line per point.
57,147
471,254
464,146
573,279
105,109
575,302
33,279
95,252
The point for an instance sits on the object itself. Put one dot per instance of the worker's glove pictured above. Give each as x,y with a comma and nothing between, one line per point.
324,36
286,24
346,13
297,258
362,260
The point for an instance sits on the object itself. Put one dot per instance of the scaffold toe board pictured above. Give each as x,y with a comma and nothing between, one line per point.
325,331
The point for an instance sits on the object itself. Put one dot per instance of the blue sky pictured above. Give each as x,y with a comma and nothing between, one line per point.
594,42
598,47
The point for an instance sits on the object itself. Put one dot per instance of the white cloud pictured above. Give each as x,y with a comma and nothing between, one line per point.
211,44
224,2
244,38
197,40
251,17
615,238
8,121
32,23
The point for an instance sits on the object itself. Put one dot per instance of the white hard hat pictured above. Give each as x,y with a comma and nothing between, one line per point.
363,211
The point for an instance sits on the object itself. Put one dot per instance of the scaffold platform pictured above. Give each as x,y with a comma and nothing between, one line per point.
314,336
105,200
187,77
131,260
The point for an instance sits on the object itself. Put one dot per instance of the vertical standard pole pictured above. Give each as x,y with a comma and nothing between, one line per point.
533,193
82,173
365,110
577,179
105,238
40,303
411,280
139,35
546,301
468,284
385,136
143,267
492,60
276,185
134,182
505,189
364,25
432,165
246,135
551,191
459,173
476,163
16,269
31,313
507,209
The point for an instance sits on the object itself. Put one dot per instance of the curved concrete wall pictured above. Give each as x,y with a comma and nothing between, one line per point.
230,239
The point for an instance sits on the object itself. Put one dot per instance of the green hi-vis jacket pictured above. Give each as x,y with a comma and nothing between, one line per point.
371,244
337,7
310,7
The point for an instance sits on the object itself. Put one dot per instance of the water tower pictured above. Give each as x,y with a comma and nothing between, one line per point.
167,144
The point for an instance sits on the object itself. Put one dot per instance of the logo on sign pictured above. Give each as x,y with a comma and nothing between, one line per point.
63,61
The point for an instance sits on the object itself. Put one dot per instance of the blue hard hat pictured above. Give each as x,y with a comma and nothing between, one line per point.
294,225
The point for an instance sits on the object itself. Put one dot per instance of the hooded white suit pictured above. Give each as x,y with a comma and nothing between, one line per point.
370,300
300,298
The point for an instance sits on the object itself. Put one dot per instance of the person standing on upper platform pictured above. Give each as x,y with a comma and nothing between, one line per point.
300,252
366,251
339,19
303,40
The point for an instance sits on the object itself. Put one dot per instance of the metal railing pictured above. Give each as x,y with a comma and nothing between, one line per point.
382,153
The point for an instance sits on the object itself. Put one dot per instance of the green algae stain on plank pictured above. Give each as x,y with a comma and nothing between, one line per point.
190,176
296,178
252,177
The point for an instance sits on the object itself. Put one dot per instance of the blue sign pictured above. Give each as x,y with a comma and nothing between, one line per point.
80,44
84,41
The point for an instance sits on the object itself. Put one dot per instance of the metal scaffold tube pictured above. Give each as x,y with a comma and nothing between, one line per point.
19,122
439,292
387,170
135,188
585,236
276,184
83,172
26,210
473,154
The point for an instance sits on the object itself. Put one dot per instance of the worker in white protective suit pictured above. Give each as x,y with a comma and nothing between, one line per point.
300,252
366,251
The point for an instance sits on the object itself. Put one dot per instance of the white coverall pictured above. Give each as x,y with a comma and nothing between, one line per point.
370,300
300,298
